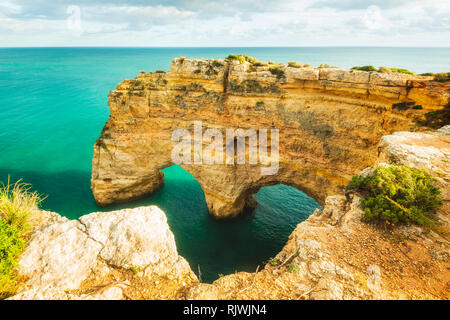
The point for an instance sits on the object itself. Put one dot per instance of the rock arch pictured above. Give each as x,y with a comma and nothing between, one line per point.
329,121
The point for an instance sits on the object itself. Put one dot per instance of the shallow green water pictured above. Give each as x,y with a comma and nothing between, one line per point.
53,105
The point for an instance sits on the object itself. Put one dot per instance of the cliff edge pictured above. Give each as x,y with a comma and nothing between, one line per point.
330,121
131,254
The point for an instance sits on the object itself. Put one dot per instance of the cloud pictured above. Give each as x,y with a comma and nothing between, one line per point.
225,22
358,4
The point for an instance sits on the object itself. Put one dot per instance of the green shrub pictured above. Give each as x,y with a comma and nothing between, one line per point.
274,262
398,70
241,58
398,194
293,268
294,64
216,63
232,57
260,64
442,76
160,71
12,243
385,70
427,74
278,71
365,68
18,207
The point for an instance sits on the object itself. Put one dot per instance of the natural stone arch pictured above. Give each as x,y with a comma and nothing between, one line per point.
330,122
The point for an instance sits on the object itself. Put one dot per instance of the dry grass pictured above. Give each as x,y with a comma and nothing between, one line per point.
18,214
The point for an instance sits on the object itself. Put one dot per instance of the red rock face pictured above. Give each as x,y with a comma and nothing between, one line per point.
329,120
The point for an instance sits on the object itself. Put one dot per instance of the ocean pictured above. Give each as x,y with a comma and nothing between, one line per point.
53,105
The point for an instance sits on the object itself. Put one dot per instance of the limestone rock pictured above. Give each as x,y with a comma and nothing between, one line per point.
133,237
416,149
203,291
59,256
62,253
330,121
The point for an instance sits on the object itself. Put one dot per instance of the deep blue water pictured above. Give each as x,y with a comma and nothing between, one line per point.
53,105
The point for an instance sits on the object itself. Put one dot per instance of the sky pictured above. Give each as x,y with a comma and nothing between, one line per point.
224,23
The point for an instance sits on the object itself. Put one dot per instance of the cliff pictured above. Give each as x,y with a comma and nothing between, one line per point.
131,254
330,121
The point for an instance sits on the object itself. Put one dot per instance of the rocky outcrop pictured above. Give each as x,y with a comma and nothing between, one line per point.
330,121
98,257
131,254
334,255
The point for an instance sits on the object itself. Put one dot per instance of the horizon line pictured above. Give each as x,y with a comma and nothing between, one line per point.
219,47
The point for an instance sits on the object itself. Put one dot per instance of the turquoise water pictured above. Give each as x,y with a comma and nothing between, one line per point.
53,105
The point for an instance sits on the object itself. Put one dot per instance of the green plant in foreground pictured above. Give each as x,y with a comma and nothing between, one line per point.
398,194
18,207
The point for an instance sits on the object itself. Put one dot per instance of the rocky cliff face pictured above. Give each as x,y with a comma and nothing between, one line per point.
330,121
131,254
334,255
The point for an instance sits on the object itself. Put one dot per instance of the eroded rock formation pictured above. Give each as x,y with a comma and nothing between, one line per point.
131,254
334,255
330,121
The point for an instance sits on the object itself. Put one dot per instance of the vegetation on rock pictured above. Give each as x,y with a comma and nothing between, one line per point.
396,194
294,64
400,70
365,68
18,207
276,70
442,76
241,58
385,70
382,69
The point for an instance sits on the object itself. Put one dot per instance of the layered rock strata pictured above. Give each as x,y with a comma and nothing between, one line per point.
334,255
131,254
330,121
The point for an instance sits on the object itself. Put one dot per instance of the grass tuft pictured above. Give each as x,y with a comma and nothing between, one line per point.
18,213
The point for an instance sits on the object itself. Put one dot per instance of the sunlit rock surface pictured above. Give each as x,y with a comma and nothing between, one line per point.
330,122
64,257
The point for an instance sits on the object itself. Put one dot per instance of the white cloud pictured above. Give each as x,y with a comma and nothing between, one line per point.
227,22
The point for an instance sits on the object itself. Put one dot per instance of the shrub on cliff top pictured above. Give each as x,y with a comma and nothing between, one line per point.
400,70
385,70
18,207
278,71
394,194
365,68
442,76
294,64
241,58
